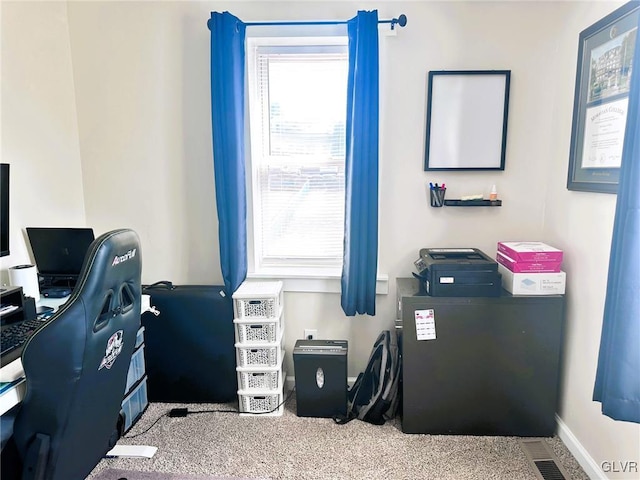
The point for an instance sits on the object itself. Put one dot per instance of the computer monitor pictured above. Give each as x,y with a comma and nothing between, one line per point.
59,252
4,209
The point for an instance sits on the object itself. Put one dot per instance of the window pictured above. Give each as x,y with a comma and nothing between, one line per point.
297,111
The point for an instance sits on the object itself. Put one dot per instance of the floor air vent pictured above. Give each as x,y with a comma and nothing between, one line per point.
545,464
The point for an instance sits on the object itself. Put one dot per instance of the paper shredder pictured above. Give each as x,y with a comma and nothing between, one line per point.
320,368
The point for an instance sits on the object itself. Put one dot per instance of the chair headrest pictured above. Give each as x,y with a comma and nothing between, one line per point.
112,267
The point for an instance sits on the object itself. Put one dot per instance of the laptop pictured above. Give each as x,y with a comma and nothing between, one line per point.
59,254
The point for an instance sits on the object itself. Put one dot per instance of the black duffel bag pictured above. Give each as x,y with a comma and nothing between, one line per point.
189,346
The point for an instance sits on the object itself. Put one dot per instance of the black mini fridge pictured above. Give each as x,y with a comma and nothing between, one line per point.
320,368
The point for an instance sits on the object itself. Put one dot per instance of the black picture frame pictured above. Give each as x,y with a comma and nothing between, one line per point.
605,51
467,113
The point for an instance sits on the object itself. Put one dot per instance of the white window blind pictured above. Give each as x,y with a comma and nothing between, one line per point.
298,113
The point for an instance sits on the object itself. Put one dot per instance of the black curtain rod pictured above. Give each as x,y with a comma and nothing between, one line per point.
401,20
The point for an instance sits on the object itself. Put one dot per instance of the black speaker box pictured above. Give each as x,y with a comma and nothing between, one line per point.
29,306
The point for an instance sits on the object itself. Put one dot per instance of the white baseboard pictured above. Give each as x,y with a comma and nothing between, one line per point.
588,464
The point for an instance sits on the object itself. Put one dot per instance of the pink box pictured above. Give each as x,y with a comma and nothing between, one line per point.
528,267
530,252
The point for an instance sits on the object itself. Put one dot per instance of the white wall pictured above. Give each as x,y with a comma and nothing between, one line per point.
39,134
141,85
581,223
142,89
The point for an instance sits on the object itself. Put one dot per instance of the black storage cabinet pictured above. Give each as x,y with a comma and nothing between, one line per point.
189,347
493,369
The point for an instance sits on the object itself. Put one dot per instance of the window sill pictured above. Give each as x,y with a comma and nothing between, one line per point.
314,282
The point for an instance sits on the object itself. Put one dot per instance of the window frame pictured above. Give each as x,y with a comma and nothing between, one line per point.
297,268
311,279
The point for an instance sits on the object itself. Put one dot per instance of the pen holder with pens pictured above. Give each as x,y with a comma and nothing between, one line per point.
436,196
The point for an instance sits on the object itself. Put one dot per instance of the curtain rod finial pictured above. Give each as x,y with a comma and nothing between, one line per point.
401,20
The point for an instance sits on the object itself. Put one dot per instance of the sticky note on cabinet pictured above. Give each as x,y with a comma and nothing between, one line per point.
425,324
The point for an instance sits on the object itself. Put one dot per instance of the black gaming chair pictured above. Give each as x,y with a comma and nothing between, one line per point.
76,366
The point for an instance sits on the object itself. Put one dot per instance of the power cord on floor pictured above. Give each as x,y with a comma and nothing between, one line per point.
181,412
146,429
176,413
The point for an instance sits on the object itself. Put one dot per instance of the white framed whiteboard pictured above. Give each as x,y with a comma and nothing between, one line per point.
467,113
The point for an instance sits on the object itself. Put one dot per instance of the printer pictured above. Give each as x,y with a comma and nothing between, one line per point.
458,272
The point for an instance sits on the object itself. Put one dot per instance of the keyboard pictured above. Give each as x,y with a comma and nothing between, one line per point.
13,337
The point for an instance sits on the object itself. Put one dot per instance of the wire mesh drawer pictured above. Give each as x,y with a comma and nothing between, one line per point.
254,300
258,380
251,379
266,331
259,355
261,403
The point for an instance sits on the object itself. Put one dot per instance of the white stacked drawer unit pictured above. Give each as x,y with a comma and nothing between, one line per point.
259,330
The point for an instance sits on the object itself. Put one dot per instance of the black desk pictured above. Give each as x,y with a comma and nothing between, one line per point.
493,368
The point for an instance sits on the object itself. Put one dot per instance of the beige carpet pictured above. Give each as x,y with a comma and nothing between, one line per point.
115,474
291,447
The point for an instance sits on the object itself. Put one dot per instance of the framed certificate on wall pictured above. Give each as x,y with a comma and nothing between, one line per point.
601,100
